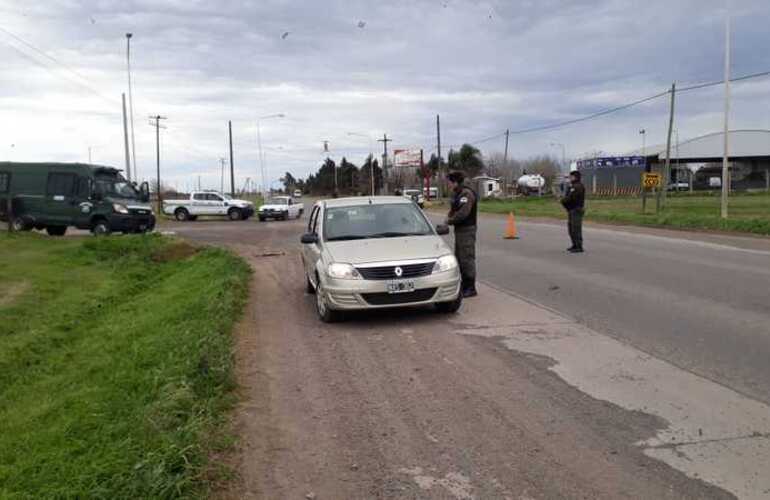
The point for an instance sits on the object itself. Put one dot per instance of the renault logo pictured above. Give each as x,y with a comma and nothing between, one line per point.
399,272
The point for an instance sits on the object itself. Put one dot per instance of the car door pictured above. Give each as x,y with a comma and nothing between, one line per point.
198,204
217,204
83,202
312,252
61,205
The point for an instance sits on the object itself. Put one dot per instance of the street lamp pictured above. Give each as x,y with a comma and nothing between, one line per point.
563,153
371,155
643,133
131,108
259,144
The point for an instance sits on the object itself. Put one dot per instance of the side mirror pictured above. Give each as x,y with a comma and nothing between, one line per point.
442,229
309,239
144,192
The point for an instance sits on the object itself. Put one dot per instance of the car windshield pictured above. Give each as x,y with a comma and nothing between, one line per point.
277,201
118,188
374,221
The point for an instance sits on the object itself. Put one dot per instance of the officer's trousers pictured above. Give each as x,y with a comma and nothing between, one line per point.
465,251
575,226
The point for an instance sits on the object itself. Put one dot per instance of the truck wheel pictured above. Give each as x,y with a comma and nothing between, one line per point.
56,230
261,219
21,224
234,214
181,214
101,228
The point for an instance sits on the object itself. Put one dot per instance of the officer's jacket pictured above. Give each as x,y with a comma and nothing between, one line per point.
575,197
463,211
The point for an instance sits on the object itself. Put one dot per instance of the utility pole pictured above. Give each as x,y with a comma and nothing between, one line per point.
125,138
667,169
385,142
222,175
132,173
726,154
438,144
158,126
232,168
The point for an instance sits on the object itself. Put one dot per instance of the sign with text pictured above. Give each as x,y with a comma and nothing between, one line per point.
612,161
651,180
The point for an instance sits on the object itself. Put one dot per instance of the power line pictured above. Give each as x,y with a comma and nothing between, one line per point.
721,82
61,66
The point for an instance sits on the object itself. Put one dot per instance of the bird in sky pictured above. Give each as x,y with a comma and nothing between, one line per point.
286,34
361,24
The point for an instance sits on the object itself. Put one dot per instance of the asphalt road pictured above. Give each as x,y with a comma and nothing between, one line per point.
507,399
701,302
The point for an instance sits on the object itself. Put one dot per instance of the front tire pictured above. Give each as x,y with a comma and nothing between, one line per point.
326,314
234,214
56,230
450,307
101,228
182,215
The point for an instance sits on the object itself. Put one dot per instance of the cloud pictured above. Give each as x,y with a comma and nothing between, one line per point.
484,66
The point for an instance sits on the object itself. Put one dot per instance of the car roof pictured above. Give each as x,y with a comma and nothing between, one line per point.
365,200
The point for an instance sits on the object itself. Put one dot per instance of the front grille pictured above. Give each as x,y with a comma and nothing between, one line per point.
388,299
389,272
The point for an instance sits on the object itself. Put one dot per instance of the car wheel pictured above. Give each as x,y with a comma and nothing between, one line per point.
261,219
20,224
450,307
234,214
101,228
326,314
309,288
182,214
56,230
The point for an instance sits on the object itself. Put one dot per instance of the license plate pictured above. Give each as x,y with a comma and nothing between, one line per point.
401,286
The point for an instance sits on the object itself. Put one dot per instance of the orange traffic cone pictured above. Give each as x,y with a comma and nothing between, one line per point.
510,228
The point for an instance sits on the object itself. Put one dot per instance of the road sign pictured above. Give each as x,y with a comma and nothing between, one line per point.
651,180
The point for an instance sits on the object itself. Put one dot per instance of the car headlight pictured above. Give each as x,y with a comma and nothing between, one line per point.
119,208
444,264
342,271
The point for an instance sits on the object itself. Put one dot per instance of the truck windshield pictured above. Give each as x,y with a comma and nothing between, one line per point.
117,187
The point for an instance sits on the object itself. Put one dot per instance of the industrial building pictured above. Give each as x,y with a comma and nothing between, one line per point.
697,162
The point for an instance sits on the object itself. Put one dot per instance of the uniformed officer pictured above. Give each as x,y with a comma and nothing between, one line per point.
574,202
463,216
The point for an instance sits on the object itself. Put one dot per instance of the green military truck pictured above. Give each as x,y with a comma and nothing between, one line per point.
55,196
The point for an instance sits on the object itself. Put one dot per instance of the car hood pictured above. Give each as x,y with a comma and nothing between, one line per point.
274,207
387,249
238,202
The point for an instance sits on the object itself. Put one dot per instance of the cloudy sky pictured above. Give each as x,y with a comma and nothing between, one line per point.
339,66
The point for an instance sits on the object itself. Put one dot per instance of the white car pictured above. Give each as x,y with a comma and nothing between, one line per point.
373,253
208,203
416,195
280,208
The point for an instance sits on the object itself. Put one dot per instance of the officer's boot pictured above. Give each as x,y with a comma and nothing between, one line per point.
469,289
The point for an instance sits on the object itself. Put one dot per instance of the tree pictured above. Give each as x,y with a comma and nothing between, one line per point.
467,160
365,177
347,175
289,182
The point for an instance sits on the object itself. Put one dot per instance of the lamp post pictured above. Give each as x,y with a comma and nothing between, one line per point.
371,155
259,145
563,154
132,170
643,133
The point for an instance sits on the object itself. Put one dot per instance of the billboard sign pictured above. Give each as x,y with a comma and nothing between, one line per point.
406,157
612,161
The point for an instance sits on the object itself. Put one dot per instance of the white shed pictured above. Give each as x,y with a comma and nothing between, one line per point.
488,187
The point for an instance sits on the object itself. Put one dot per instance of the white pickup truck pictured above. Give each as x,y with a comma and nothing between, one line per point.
280,208
208,203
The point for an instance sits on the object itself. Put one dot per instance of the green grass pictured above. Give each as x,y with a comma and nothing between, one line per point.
115,365
749,213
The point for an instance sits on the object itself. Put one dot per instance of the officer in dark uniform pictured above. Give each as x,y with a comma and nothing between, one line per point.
463,216
574,202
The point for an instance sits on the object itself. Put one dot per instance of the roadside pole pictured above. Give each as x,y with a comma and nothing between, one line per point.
9,212
667,168
385,179
726,153
125,140
232,168
767,180
441,178
614,184
158,126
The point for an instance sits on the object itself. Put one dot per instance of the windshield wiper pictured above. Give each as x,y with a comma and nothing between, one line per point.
395,234
346,237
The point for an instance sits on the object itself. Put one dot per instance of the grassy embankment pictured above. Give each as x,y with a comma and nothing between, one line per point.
749,213
115,365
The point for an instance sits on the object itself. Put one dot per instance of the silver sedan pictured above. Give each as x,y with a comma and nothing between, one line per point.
378,252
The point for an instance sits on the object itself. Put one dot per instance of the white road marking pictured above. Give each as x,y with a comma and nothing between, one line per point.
456,484
714,433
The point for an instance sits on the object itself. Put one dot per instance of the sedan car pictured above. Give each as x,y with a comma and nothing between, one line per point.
378,252
280,208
